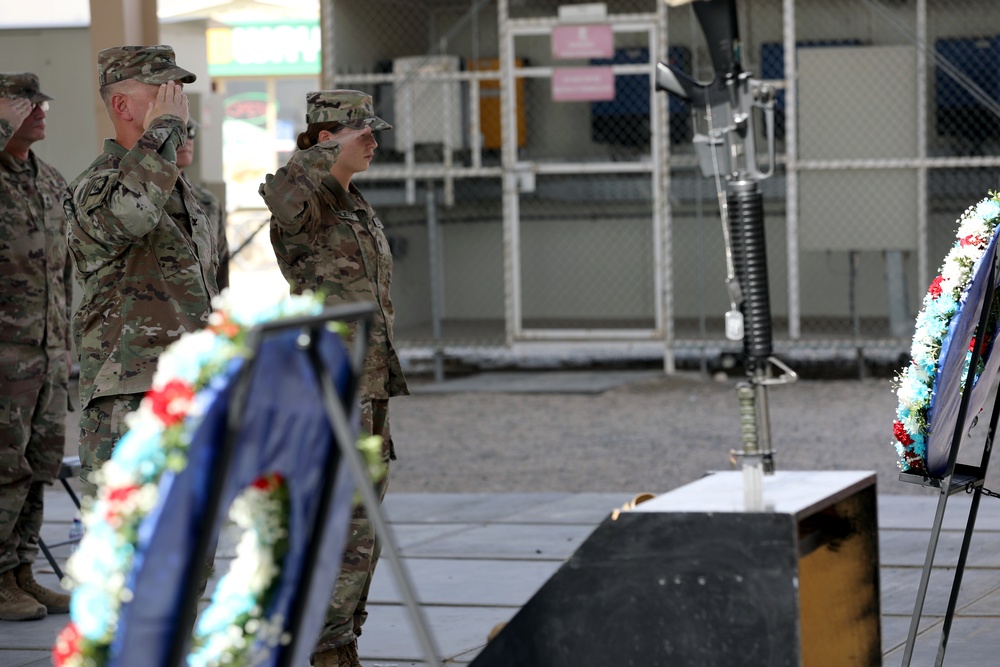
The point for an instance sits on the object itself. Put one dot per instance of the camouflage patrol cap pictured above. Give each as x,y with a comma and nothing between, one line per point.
352,108
148,64
15,85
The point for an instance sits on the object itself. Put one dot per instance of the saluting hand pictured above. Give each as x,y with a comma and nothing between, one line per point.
170,99
327,153
15,111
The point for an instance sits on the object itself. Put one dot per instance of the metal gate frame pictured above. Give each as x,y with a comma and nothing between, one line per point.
654,25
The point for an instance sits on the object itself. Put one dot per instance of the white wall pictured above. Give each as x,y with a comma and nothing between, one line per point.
61,59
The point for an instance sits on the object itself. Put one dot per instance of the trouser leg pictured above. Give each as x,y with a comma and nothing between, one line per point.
22,376
102,424
46,446
347,611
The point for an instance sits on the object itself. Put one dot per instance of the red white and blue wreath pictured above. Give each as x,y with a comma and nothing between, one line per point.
158,439
915,385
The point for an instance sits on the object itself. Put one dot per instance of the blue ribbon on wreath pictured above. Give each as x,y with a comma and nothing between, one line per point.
946,397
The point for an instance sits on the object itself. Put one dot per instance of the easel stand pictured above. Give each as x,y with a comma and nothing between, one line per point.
958,477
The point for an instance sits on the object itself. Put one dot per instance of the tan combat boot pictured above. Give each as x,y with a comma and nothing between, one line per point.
342,656
55,602
15,604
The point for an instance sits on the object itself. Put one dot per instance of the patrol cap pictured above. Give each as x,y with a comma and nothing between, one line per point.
15,85
148,64
352,108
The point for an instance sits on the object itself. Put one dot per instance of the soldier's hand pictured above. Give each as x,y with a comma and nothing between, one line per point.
15,111
326,154
170,99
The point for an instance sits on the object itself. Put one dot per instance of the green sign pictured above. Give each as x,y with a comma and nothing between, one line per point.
264,49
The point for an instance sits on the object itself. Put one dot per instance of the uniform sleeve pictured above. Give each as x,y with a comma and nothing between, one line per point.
223,244
110,209
68,279
6,132
290,194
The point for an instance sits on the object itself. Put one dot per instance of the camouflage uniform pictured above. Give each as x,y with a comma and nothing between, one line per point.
35,295
329,240
217,216
145,254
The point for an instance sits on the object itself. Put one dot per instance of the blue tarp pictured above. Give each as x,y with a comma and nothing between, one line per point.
286,430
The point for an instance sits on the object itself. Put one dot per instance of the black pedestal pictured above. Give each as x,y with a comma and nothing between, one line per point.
688,579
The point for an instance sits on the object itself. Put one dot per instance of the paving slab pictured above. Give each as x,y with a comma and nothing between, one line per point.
895,630
582,508
506,541
899,589
452,581
459,632
462,507
909,548
409,536
971,642
910,512
16,658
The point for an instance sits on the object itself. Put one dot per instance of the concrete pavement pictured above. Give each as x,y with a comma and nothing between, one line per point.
476,558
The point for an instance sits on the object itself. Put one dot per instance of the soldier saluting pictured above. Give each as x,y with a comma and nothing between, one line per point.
143,249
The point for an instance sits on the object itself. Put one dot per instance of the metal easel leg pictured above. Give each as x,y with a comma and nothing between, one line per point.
50,558
351,455
959,571
925,577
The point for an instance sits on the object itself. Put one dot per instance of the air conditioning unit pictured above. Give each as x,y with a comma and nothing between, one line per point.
428,110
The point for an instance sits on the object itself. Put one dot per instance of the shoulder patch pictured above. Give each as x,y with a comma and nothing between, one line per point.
97,185
90,193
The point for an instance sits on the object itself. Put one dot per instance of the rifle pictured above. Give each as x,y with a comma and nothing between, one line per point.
728,151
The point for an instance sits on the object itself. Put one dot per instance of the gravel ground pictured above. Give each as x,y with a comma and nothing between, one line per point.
649,436
652,435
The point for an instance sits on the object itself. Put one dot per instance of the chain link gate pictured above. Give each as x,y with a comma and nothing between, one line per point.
593,228
587,207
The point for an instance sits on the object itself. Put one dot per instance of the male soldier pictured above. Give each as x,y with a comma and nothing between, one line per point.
35,295
144,250
209,203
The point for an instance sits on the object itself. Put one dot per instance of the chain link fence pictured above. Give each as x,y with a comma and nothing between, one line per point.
595,226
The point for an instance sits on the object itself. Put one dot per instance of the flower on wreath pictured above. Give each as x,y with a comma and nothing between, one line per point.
157,440
226,631
914,385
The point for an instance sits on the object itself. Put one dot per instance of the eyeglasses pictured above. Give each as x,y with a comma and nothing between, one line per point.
44,106
192,131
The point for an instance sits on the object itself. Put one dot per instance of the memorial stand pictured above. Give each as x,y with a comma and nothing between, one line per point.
957,477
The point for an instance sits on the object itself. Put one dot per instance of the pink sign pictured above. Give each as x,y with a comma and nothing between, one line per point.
583,41
578,84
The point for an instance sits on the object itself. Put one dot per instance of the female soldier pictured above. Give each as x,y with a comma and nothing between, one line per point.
327,239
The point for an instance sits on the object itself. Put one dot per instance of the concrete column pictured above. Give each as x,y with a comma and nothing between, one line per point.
117,23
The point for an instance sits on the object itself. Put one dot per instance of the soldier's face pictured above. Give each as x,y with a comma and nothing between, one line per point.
357,148
33,127
185,154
